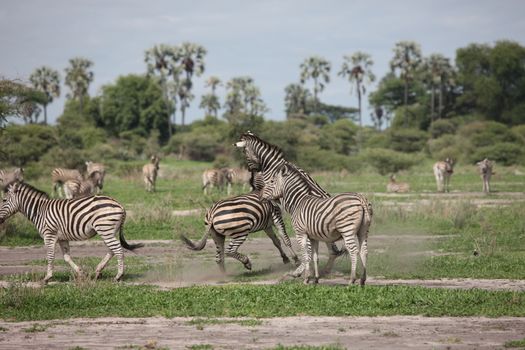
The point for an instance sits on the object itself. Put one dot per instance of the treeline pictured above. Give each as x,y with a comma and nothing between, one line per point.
430,107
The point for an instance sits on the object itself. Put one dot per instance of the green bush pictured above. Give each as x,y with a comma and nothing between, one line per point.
21,144
442,127
313,158
486,133
505,153
408,140
387,161
519,132
65,158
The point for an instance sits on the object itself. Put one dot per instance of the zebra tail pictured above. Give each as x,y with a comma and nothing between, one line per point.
195,246
126,245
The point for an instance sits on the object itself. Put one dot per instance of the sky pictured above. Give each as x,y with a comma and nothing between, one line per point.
264,39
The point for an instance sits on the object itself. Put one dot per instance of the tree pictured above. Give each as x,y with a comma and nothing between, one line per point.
210,102
439,74
78,78
295,99
407,59
243,97
191,58
358,70
318,69
18,100
161,60
47,80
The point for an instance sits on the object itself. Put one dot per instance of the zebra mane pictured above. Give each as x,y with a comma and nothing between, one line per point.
303,176
29,187
249,136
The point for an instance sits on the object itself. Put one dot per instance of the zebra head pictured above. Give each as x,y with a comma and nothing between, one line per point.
449,165
10,202
485,166
259,154
274,187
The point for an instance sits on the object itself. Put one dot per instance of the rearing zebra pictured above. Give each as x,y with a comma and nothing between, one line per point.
268,159
346,215
239,216
64,220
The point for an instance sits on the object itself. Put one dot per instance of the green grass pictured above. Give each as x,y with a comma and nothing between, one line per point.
307,347
515,343
290,299
201,322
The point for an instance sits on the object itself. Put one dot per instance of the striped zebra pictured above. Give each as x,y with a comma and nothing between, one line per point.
396,187
215,178
60,175
485,171
239,176
74,188
96,167
443,170
236,218
10,176
268,159
150,172
346,215
64,220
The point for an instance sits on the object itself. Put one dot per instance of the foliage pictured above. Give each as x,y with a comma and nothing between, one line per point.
387,161
505,153
23,144
407,140
441,127
19,100
46,80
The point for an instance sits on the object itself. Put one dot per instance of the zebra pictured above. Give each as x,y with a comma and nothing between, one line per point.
442,172
346,215
268,158
96,167
238,176
74,188
485,171
10,176
239,216
64,220
60,175
396,187
216,178
149,173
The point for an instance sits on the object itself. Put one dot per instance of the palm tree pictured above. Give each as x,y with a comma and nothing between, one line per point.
47,80
78,78
191,58
439,73
243,97
161,60
407,59
358,70
295,99
318,69
210,101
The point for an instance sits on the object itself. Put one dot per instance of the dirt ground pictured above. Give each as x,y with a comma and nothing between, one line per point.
174,266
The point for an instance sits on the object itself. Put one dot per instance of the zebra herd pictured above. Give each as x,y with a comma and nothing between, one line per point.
277,184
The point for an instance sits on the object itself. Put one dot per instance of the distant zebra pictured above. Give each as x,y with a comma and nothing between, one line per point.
237,217
10,176
60,175
268,159
238,176
96,167
150,172
346,215
64,220
215,178
396,187
485,171
74,188
443,170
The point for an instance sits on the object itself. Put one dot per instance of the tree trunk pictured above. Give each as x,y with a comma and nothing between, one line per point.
440,109
432,103
405,117
45,114
315,96
359,103
183,114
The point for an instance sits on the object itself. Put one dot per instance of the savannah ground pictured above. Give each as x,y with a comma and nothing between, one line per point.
467,241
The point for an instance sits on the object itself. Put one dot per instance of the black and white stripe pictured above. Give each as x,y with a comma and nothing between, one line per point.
60,175
9,176
237,217
64,220
346,215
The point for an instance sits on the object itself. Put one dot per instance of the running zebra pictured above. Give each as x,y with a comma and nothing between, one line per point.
64,220
396,187
60,175
96,167
74,188
10,176
346,215
215,178
485,171
150,172
236,218
268,159
443,170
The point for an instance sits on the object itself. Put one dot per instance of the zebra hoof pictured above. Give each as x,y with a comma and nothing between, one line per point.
248,265
286,260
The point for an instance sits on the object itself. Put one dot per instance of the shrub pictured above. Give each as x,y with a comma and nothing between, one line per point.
313,158
442,127
486,133
388,161
505,153
519,133
408,140
21,144
65,158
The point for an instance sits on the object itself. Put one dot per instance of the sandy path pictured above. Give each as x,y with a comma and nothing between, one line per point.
394,332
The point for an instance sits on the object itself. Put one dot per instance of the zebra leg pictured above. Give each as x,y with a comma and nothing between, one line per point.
103,264
219,244
108,236
348,232
277,244
333,252
315,258
64,245
304,244
279,224
231,251
363,247
50,241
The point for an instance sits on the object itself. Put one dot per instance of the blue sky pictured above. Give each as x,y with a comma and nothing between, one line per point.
265,39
